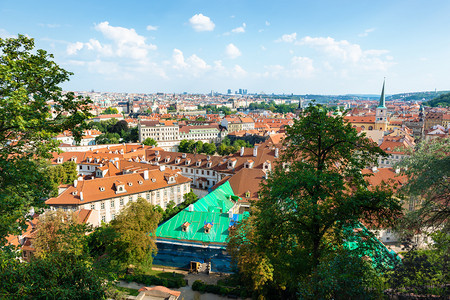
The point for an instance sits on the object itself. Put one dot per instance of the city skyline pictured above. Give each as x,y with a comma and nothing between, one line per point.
261,46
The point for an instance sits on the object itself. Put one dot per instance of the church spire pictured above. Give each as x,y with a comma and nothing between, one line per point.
382,103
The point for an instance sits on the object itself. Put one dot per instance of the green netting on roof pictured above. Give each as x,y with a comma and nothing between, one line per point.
361,240
218,233
219,198
211,209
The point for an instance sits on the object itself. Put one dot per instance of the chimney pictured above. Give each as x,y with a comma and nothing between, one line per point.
81,196
145,174
75,183
374,169
276,152
242,151
162,168
107,147
255,151
191,207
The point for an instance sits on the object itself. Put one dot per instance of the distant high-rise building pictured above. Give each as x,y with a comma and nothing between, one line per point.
229,91
240,91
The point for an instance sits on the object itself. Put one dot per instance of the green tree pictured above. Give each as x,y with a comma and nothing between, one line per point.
136,228
56,276
71,171
150,142
428,171
198,147
110,111
107,138
59,232
33,109
119,127
303,209
209,148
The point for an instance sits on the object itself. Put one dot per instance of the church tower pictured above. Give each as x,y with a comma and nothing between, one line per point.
381,120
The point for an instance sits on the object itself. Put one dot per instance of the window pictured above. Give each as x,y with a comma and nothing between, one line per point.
103,219
112,203
113,216
178,189
165,192
130,198
148,196
102,205
121,202
92,206
157,194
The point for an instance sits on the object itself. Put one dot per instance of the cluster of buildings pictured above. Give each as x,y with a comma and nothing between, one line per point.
111,176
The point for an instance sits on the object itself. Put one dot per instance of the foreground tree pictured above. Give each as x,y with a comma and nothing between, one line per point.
32,110
428,171
311,196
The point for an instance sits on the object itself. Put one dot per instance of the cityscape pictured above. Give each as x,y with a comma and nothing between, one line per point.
198,150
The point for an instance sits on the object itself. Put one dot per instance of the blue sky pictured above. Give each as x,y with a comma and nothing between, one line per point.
300,47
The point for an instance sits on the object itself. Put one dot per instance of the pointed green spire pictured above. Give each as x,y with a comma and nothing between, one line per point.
382,103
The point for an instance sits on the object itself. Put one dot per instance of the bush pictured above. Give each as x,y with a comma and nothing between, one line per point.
202,287
149,280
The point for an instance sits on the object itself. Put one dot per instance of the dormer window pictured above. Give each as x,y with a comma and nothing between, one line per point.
209,164
89,159
247,194
158,158
208,227
185,226
120,187
140,182
74,193
102,189
188,161
208,157
199,162
153,179
167,159
74,159
60,160
130,184
177,160
157,152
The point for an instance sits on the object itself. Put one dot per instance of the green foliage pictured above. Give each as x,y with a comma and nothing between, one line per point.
196,147
29,95
136,231
56,276
120,126
343,276
172,210
424,272
107,138
441,100
428,170
62,174
278,108
150,142
110,111
174,280
212,109
299,220
234,292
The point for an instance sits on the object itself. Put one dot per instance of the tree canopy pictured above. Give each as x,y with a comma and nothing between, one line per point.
313,193
33,109
441,100
150,142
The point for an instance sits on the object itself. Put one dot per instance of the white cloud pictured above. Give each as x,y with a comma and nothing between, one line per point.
152,28
302,67
194,65
201,23
5,34
267,23
178,59
352,55
366,32
49,25
232,51
339,49
288,38
263,48
240,29
238,71
218,65
73,48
